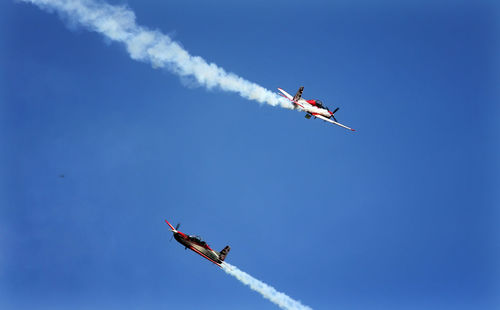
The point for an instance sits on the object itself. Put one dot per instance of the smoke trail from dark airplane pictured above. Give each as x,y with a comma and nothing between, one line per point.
117,23
268,292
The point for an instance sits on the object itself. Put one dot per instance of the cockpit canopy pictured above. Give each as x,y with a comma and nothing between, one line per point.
319,104
196,238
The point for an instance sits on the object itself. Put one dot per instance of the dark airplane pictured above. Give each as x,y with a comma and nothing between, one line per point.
199,246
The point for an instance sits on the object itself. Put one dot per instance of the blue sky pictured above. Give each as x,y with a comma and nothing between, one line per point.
402,214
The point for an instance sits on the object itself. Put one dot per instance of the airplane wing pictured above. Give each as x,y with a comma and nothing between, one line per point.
203,255
171,227
333,122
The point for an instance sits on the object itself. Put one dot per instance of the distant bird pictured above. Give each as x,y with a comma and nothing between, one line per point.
61,175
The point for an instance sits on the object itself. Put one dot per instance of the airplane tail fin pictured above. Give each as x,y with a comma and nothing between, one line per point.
224,252
298,95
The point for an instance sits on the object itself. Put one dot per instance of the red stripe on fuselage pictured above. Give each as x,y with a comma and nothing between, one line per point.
182,234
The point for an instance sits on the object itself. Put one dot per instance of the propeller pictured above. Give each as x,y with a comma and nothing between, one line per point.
175,230
334,113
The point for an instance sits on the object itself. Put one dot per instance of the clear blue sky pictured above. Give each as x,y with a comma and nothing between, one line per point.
402,214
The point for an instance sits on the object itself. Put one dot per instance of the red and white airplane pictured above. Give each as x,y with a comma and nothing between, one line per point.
199,246
312,107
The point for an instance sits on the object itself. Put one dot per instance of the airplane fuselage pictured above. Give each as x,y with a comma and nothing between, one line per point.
197,245
201,248
309,108
312,107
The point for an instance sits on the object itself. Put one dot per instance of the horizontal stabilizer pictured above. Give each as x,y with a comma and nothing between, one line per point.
285,94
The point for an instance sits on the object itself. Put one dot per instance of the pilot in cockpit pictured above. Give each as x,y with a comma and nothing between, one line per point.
197,239
319,104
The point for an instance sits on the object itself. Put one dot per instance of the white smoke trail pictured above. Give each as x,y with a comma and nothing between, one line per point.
268,292
117,23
